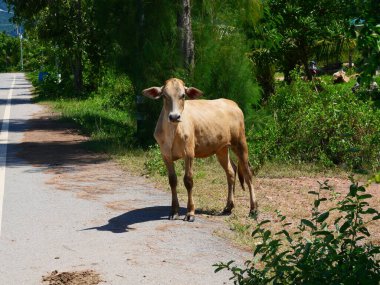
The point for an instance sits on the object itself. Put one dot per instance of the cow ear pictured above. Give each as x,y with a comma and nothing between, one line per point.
193,93
152,92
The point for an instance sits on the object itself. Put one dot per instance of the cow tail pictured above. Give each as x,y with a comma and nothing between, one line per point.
241,176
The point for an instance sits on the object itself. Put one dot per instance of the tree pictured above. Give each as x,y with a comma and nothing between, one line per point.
299,29
367,24
187,41
9,52
67,25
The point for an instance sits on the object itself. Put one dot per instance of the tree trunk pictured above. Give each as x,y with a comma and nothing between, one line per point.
78,57
187,41
78,73
140,20
350,58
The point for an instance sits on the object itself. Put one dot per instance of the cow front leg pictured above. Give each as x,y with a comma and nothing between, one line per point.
174,212
188,181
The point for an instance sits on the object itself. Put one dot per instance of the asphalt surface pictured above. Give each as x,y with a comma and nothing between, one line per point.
45,229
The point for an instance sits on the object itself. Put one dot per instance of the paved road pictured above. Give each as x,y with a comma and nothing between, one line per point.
45,229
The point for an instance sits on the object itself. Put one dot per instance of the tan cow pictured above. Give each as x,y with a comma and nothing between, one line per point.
200,128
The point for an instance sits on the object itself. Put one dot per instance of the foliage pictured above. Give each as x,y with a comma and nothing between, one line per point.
106,116
300,26
117,92
331,126
223,68
110,129
324,249
154,163
9,52
368,35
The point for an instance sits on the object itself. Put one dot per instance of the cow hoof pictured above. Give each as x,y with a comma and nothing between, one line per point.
173,217
226,211
189,218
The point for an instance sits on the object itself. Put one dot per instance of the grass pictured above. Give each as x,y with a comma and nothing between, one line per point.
110,131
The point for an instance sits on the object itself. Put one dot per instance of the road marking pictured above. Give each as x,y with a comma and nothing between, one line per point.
3,146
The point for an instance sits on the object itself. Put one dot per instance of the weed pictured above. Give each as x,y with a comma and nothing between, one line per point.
321,251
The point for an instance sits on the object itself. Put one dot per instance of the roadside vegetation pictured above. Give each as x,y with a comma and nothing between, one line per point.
9,51
301,127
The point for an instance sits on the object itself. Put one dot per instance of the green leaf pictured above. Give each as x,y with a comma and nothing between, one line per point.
353,190
364,231
322,217
218,268
322,233
345,226
284,232
306,251
348,207
329,238
255,231
364,196
308,223
376,218
258,249
266,234
263,222
361,189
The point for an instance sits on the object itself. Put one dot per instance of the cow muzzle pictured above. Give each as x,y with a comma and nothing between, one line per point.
174,117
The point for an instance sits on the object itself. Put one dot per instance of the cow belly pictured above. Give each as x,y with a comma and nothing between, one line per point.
207,150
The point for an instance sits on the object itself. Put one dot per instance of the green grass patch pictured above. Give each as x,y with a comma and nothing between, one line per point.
110,130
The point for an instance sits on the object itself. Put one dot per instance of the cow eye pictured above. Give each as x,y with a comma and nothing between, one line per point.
182,96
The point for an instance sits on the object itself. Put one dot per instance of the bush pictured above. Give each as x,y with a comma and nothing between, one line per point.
331,126
117,92
320,252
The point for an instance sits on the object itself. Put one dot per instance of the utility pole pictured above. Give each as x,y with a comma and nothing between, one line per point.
21,54
19,34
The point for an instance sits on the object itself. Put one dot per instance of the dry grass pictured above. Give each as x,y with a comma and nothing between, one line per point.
278,187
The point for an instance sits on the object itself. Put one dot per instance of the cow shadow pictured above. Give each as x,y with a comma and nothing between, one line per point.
123,223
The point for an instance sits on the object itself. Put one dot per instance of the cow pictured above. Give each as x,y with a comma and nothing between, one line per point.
197,129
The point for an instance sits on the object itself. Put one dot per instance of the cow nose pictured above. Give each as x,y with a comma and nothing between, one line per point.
174,117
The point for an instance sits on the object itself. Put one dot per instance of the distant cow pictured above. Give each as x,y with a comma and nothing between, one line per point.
200,128
340,77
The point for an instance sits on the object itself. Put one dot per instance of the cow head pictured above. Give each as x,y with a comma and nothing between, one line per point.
174,92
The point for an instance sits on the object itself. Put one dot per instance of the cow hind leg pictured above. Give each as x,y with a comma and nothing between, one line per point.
188,181
230,169
241,152
174,213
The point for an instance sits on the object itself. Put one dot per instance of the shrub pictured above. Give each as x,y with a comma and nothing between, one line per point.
117,92
320,252
331,126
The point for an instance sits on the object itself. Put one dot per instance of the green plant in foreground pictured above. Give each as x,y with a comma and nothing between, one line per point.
324,249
